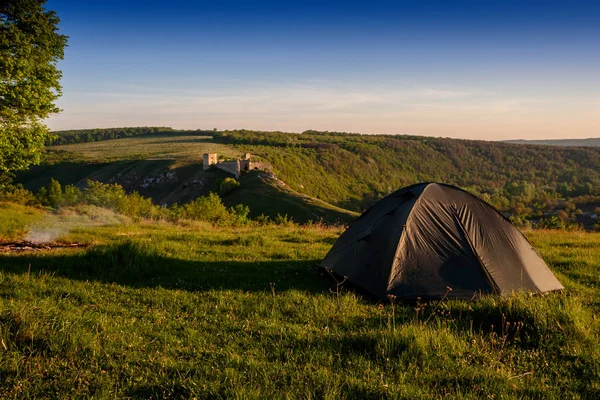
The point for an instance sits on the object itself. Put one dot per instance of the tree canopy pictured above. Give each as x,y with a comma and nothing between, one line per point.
30,48
353,171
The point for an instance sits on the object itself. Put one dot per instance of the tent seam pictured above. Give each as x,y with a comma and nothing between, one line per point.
489,277
417,201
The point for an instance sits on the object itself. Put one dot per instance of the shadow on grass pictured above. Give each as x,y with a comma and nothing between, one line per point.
137,265
75,172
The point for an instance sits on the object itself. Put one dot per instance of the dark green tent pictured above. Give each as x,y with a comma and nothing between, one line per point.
420,240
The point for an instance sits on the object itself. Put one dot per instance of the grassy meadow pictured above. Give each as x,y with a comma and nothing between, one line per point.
155,310
184,148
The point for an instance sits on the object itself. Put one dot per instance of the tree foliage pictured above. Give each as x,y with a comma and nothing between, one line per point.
100,134
227,186
30,48
353,171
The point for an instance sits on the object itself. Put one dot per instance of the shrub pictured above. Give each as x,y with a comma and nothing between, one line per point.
520,222
555,222
71,196
562,215
239,214
283,220
137,206
228,186
263,219
52,195
207,208
19,195
55,194
103,194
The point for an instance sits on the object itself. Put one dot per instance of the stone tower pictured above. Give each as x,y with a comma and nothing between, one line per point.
209,159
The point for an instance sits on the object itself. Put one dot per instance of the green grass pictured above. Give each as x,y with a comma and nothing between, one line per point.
270,197
183,148
162,311
15,220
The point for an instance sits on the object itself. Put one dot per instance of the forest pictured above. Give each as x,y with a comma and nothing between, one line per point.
98,134
353,170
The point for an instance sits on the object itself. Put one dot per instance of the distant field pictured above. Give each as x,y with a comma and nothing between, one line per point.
590,142
164,311
157,147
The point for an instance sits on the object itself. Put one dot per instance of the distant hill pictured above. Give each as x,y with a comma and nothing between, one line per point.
99,134
590,142
353,170
331,170
167,167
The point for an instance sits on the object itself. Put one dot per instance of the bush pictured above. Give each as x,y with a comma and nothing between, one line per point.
520,222
103,194
283,220
18,195
112,196
228,186
240,214
137,206
263,219
71,196
53,196
555,222
562,215
207,208
54,193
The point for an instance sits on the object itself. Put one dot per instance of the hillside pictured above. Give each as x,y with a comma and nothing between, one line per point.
347,171
168,169
589,142
351,170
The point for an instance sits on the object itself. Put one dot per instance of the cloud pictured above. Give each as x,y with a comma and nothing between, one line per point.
439,110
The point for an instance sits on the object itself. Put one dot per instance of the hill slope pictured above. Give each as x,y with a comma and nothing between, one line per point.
168,169
349,171
589,142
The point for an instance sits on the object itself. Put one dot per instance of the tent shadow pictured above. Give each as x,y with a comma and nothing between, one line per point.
129,265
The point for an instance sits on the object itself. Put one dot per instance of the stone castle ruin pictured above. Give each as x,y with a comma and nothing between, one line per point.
234,167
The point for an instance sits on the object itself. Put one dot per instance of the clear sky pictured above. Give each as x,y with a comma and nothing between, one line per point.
469,69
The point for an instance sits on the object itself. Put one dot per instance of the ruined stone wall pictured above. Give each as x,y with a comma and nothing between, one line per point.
258,165
233,167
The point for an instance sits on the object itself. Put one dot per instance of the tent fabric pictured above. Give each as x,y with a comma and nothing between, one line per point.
420,240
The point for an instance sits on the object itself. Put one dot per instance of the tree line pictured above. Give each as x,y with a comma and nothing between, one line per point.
354,170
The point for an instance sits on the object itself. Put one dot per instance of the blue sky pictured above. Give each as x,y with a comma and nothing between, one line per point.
469,69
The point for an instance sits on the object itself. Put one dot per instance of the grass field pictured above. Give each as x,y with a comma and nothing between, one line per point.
161,311
131,158
15,220
183,148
